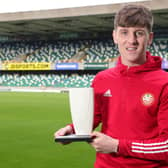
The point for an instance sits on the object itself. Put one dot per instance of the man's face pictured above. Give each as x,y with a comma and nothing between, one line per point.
132,44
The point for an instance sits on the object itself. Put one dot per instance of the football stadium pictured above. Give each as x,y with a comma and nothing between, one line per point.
45,52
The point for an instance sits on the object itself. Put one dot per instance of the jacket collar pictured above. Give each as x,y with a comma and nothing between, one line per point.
152,63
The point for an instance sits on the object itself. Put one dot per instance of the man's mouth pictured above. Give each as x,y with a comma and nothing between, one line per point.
131,48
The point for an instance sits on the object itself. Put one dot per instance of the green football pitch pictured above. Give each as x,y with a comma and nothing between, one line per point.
27,124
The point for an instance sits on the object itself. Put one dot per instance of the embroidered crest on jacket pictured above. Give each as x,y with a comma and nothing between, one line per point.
147,99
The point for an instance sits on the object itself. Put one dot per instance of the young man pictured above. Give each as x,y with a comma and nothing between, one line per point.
131,100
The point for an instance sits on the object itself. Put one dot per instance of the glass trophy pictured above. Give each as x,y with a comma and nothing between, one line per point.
81,107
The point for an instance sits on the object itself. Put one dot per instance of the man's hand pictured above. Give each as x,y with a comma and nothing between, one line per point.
103,143
64,131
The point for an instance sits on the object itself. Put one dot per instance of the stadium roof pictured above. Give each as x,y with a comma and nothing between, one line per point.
77,22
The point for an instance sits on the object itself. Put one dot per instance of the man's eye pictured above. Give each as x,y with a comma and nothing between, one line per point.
124,33
139,33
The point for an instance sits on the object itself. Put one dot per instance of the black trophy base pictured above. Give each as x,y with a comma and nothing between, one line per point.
73,138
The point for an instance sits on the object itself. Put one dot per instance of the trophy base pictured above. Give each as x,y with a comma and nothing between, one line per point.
73,138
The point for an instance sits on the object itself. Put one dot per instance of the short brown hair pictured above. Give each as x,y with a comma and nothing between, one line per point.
134,16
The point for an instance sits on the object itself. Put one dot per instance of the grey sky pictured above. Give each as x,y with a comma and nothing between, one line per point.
31,5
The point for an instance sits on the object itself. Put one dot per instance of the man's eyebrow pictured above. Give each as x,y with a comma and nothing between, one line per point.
123,29
140,29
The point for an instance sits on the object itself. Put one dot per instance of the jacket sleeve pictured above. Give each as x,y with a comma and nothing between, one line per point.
155,148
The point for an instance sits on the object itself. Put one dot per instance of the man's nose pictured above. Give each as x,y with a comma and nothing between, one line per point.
132,38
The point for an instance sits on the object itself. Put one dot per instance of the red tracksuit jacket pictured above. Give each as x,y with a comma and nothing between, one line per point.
132,105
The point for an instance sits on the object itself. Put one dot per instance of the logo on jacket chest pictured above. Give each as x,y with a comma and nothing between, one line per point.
147,99
107,93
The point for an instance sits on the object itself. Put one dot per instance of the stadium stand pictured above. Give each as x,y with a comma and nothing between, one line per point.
63,51
79,51
44,80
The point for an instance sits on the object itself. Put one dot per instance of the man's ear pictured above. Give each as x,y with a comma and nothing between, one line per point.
150,38
114,36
